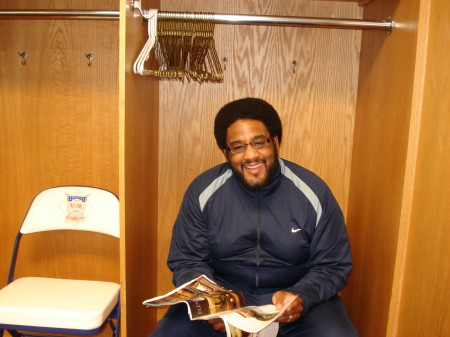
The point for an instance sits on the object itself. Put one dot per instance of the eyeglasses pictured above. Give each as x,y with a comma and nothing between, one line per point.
256,144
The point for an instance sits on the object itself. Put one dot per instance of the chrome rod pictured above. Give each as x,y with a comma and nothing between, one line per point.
303,21
217,18
280,20
59,14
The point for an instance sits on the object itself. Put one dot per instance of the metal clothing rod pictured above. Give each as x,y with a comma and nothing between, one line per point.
303,21
217,18
385,25
58,14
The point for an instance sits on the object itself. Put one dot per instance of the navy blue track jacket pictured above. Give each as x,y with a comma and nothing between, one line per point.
290,236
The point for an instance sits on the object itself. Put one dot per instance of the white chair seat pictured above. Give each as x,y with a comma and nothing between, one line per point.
57,303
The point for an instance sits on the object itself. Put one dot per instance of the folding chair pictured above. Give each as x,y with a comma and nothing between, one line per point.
39,305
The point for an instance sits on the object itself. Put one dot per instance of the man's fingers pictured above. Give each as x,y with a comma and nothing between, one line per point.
217,324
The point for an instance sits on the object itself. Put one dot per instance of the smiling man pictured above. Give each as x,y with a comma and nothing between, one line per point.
263,226
256,166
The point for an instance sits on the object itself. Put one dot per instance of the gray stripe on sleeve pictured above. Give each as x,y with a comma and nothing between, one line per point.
305,189
214,186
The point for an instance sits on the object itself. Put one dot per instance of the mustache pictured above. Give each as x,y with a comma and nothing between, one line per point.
254,161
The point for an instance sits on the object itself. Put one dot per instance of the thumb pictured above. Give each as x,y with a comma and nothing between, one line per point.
278,300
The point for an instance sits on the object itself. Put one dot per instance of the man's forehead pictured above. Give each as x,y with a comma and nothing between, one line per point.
241,124
252,139
246,130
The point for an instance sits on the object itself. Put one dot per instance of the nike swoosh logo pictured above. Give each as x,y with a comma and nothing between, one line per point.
296,230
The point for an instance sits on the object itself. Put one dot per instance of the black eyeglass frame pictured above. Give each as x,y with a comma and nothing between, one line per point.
267,140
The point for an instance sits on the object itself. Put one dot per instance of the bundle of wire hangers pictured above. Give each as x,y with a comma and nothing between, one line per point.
180,46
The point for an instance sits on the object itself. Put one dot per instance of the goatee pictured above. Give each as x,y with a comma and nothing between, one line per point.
255,186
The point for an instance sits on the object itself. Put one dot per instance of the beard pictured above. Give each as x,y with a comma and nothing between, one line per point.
257,185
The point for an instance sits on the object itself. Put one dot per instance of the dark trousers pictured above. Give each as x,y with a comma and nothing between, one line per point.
328,319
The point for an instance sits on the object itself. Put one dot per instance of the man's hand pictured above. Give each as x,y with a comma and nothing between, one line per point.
293,311
279,299
217,324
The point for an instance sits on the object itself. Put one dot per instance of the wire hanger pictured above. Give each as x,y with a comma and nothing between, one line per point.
182,47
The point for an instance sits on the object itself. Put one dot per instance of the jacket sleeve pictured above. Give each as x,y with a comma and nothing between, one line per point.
189,251
330,260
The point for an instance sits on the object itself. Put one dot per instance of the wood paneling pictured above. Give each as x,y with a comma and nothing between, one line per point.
316,104
375,130
138,177
423,305
380,149
59,125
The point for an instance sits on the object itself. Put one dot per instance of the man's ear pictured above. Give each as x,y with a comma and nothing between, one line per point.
275,140
225,153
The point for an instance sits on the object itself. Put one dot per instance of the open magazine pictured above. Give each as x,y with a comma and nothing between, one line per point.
206,300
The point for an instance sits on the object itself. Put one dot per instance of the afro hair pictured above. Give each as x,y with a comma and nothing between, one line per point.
246,108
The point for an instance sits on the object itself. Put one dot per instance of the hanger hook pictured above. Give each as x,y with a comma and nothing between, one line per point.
293,65
224,61
24,55
90,57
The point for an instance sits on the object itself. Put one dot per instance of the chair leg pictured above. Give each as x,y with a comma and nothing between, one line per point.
114,327
13,333
117,332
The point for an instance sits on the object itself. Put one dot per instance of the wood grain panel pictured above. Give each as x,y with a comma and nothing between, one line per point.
379,159
59,123
316,104
138,177
58,118
423,306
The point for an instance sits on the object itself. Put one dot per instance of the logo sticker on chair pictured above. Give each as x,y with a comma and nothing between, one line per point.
76,207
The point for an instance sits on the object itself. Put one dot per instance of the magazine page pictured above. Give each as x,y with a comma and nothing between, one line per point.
250,319
214,305
202,296
206,300
232,331
270,331
197,288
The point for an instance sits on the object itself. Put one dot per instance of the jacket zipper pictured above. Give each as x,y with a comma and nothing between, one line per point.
258,243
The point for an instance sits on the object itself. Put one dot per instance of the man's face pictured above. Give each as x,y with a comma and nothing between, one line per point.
255,168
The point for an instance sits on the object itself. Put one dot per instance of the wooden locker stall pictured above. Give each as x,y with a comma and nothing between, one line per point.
422,278
376,143
380,146
419,306
398,197
365,110
316,103
59,126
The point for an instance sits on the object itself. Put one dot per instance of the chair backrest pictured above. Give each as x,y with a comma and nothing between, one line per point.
73,208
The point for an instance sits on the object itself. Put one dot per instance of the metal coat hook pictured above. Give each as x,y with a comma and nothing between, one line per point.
224,61
24,56
90,57
293,65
